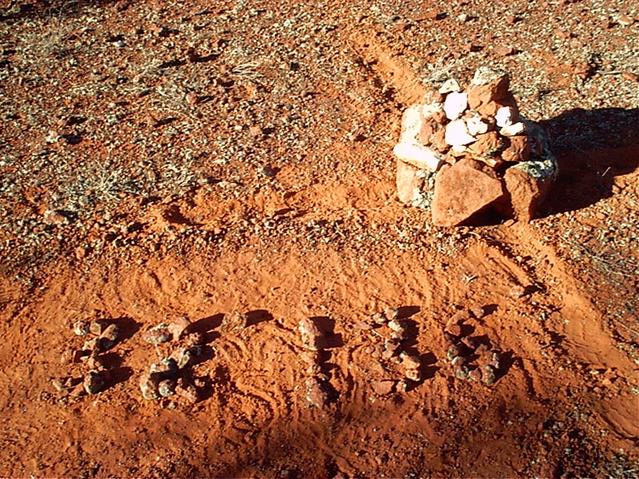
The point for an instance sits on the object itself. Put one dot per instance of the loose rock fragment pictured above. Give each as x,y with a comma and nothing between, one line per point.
382,388
316,394
109,337
97,326
450,85
178,327
81,328
457,134
310,333
167,368
414,375
418,155
166,387
93,382
488,375
157,335
513,130
149,386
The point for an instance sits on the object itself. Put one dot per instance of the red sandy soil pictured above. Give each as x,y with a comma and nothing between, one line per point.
270,190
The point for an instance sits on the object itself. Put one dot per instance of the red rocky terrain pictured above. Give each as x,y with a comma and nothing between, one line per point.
208,269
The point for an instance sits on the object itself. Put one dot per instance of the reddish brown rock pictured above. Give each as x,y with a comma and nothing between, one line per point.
462,190
487,148
408,182
483,91
489,109
518,150
526,192
429,126
383,388
438,141
177,327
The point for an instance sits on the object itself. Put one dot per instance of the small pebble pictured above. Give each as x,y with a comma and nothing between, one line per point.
109,336
157,335
413,374
379,318
93,382
383,387
149,386
488,375
187,391
81,328
391,313
178,327
97,326
166,388
167,368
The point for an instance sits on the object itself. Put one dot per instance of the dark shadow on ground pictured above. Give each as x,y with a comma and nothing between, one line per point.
592,147
17,10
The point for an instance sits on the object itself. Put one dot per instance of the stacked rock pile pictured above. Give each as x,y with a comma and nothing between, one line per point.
463,152
171,375
317,384
471,358
104,336
395,335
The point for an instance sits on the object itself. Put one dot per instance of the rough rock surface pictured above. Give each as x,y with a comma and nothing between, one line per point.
462,190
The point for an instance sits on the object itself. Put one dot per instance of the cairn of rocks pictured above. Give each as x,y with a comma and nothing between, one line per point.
394,351
104,336
464,152
471,358
170,376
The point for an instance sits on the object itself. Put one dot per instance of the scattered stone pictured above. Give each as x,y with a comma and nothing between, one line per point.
414,375
91,345
93,382
488,375
195,339
518,150
157,335
316,394
167,368
396,326
382,388
391,313
527,184
149,386
410,361
109,337
310,333
81,328
454,329
236,321
97,326
452,204
379,318
513,130
96,362
178,327
166,387
505,116
59,384
184,357
78,390
474,375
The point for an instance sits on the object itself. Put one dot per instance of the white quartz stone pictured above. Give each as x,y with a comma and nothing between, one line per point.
505,116
513,130
455,104
457,134
417,155
476,126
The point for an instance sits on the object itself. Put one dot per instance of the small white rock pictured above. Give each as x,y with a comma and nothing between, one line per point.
450,85
476,126
457,134
455,104
513,130
505,116
417,155
458,149
462,17
411,124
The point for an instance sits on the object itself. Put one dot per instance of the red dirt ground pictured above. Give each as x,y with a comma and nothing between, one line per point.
273,194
